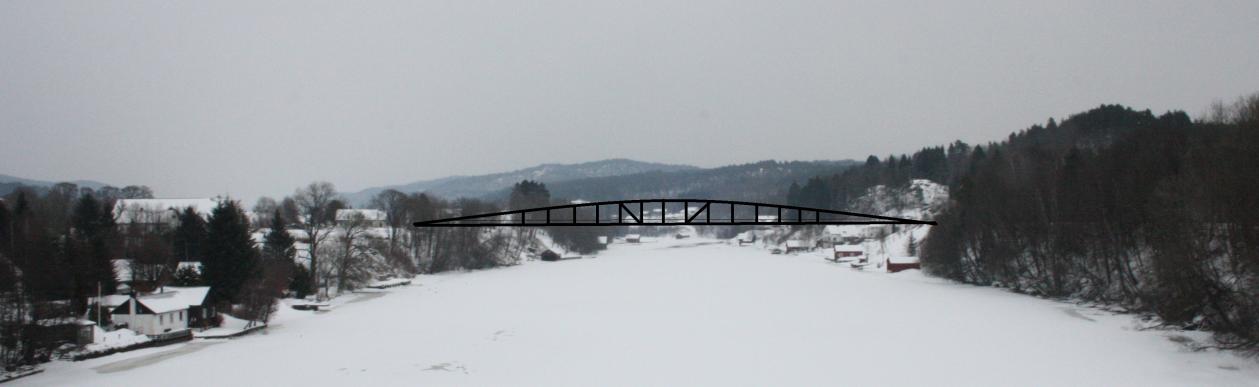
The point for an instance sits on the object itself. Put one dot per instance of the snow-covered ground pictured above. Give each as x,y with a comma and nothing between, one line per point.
689,312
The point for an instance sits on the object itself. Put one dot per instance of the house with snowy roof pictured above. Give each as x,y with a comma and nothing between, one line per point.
373,218
842,251
168,313
158,214
796,245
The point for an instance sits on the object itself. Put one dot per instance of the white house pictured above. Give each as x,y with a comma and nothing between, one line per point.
160,313
159,212
373,218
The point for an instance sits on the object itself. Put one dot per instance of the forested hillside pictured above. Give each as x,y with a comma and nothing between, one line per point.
1155,213
478,186
759,181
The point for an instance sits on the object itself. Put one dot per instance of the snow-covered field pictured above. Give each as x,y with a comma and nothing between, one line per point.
689,312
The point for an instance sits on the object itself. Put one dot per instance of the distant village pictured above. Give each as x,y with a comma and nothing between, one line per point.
183,268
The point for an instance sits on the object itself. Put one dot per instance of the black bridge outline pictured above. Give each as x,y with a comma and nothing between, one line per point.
493,219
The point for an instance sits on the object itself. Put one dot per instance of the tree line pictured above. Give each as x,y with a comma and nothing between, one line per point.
1157,213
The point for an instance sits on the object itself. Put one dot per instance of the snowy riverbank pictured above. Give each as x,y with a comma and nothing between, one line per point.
681,313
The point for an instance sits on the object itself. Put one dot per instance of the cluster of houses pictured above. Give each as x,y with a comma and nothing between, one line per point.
146,310
144,306
848,244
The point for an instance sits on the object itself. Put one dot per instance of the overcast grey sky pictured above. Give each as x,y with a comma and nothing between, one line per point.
248,98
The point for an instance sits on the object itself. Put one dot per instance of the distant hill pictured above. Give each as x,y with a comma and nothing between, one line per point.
9,183
759,181
486,185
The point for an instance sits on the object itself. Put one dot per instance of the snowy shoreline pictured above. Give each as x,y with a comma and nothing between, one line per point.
680,313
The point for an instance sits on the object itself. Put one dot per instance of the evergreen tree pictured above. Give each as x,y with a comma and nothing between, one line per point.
278,243
529,194
301,285
277,255
94,231
190,236
6,230
793,194
230,256
187,276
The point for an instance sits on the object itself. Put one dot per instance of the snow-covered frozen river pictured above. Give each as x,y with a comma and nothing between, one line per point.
678,313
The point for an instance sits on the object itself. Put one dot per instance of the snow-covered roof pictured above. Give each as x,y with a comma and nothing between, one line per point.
174,298
194,265
850,248
767,218
369,215
632,236
122,270
159,210
795,243
844,230
110,300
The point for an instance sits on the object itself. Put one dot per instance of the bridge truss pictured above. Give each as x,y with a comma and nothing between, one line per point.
667,212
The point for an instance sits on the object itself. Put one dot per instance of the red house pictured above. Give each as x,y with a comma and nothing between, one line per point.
895,264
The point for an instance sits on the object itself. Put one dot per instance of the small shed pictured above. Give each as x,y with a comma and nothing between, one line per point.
633,238
796,245
849,251
895,264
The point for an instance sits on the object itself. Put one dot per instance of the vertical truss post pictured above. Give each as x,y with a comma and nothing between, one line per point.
662,211
686,212
756,214
574,214
731,212
596,214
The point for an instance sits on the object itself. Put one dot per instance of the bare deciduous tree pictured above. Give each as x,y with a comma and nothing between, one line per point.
394,204
313,200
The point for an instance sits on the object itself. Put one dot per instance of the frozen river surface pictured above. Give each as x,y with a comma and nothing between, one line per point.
680,313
